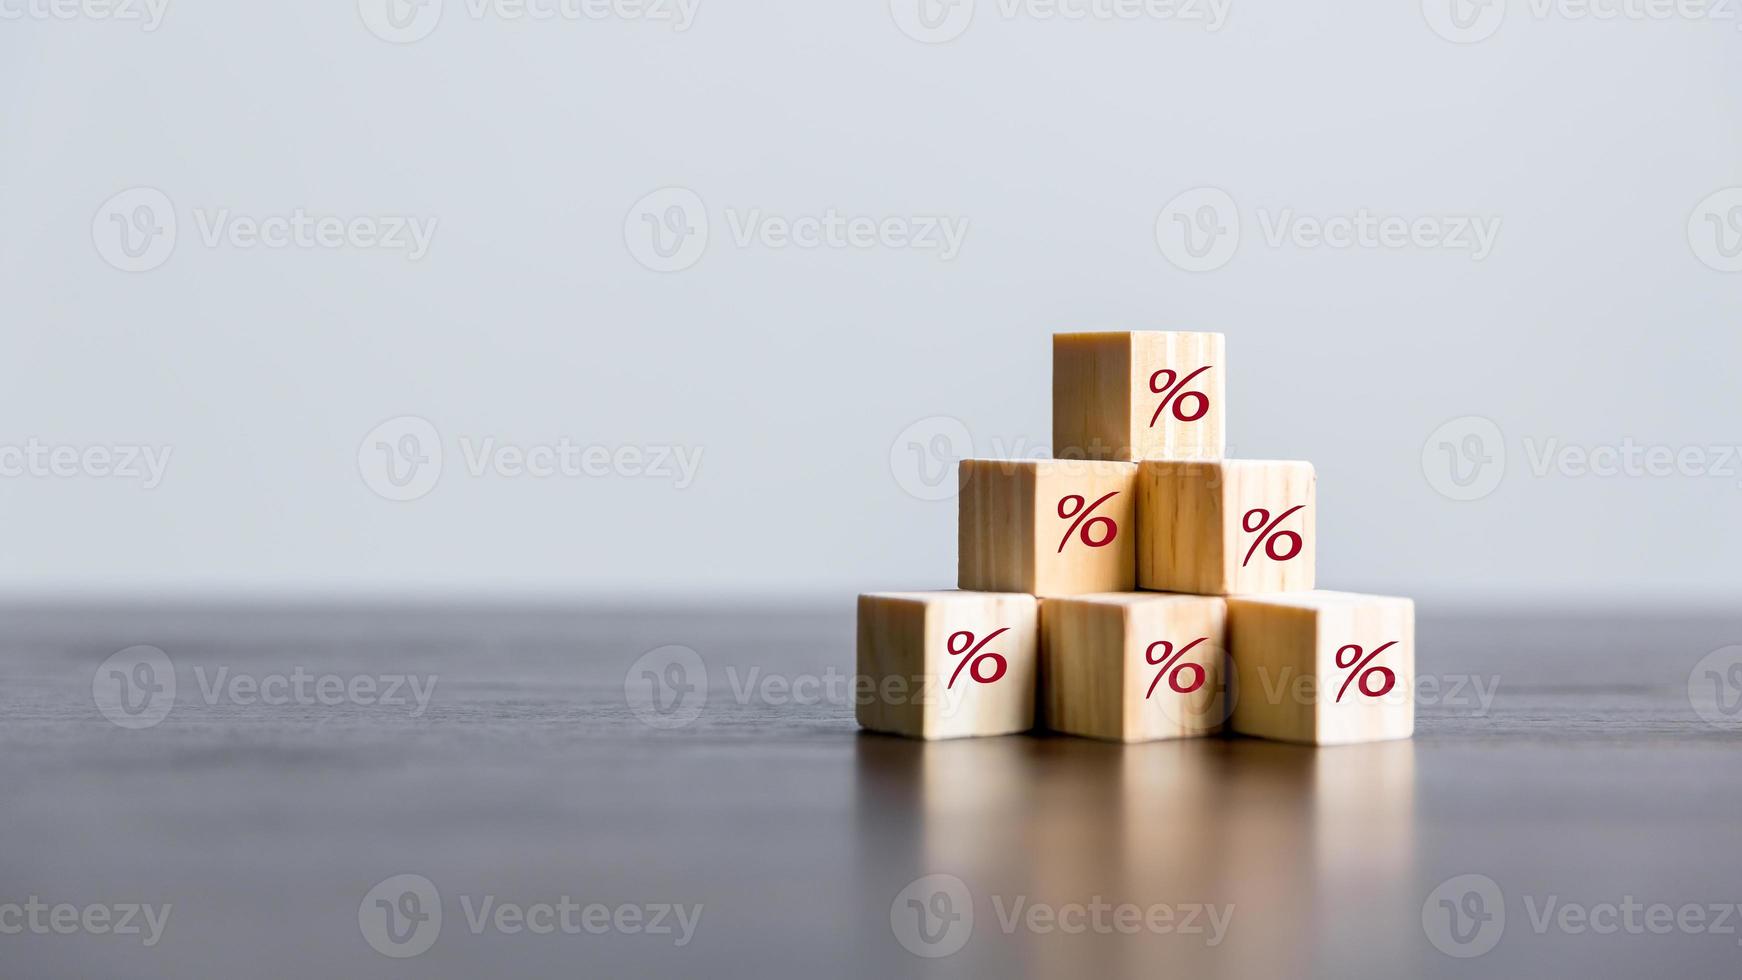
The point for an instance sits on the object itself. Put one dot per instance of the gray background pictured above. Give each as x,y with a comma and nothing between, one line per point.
796,370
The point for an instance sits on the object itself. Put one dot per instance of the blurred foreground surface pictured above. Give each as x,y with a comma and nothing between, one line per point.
1559,757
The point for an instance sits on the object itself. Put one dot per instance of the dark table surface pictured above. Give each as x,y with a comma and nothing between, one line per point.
1558,754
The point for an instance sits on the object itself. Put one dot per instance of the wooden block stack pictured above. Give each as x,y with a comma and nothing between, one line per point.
1140,586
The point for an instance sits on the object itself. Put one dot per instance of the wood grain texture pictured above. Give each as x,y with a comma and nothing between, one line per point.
1096,678
905,665
1191,536
1291,688
529,778
1011,536
1104,407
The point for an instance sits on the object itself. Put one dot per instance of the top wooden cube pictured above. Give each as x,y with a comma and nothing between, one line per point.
1139,395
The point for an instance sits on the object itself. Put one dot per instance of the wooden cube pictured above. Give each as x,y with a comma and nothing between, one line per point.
1133,667
1234,526
1324,668
947,664
1138,395
1047,527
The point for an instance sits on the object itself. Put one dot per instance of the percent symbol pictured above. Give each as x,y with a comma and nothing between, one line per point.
1358,668
1169,662
1073,507
1174,389
962,645
1257,521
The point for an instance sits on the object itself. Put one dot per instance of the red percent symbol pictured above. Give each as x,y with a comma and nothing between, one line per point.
1073,507
1353,655
1257,521
962,645
1170,658
1174,389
